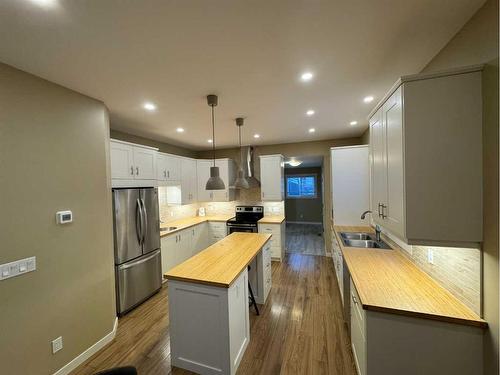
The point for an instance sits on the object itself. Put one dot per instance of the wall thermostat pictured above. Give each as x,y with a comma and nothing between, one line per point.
64,217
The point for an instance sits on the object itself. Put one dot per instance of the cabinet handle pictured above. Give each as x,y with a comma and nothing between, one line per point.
164,174
379,206
383,211
137,171
354,300
168,174
132,170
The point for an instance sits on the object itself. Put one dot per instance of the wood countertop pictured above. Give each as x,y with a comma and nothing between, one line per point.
220,264
389,282
191,221
278,219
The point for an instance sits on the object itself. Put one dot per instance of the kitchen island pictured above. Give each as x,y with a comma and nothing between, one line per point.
208,302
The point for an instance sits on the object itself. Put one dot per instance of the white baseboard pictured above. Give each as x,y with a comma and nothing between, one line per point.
66,369
305,222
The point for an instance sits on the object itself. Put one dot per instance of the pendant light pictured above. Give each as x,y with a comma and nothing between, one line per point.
241,182
214,182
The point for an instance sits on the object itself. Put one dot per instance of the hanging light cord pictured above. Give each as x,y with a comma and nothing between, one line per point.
241,151
213,133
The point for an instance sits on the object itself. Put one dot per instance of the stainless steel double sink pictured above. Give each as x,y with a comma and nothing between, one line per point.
365,240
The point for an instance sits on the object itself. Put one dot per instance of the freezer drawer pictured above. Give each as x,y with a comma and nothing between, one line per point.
137,280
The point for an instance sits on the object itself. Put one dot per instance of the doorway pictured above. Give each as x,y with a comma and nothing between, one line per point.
304,205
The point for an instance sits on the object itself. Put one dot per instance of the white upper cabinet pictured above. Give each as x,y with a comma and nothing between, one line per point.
132,165
426,159
272,177
188,180
227,172
168,168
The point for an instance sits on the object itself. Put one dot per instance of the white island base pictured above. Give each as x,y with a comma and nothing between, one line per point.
209,326
209,306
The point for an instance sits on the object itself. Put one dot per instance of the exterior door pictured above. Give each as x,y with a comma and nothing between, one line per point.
127,211
393,123
149,201
378,166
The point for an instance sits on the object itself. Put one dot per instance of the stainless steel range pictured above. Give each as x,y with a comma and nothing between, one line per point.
245,220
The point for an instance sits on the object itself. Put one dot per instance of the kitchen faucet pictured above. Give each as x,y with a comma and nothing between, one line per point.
378,230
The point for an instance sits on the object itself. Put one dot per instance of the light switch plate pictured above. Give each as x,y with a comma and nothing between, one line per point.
18,267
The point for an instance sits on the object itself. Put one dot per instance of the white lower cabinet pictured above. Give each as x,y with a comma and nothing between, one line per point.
338,263
182,245
217,230
392,344
277,241
259,274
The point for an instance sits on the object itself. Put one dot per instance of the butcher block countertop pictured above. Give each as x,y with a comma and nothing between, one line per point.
387,281
191,221
278,219
220,264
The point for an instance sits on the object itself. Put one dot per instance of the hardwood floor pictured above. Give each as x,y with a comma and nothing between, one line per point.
300,329
305,239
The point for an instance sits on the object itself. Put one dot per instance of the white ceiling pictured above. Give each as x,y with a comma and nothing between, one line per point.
249,52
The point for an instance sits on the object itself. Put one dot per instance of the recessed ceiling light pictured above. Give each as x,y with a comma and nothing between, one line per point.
179,130
149,106
310,112
306,76
368,99
209,141
44,3
256,135
352,123
312,130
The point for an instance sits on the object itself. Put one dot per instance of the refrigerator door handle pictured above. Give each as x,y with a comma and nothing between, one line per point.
143,260
139,222
145,226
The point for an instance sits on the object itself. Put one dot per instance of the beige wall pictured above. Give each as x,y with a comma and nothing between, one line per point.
53,156
164,147
310,209
475,43
317,148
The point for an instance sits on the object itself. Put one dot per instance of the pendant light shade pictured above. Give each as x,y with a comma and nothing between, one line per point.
241,182
214,182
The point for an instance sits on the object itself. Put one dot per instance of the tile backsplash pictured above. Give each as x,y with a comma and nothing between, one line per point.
456,269
243,197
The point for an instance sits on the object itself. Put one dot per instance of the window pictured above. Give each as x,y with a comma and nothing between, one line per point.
301,186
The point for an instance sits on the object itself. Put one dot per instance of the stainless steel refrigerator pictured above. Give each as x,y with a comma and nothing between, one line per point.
136,229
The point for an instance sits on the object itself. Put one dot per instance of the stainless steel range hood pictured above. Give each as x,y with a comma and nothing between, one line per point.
248,166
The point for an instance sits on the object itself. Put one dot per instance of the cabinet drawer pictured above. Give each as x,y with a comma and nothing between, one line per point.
273,229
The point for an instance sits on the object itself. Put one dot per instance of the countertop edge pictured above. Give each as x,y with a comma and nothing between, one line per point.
479,323
212,283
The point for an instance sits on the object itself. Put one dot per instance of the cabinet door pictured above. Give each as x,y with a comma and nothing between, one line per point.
145,163
193,183
187,171
184,241
222,195
378,166
172,168
271,178
122,161
169,250
161,168
393,211
203,174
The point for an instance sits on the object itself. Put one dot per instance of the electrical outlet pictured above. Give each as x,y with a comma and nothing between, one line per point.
57,345
430,255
